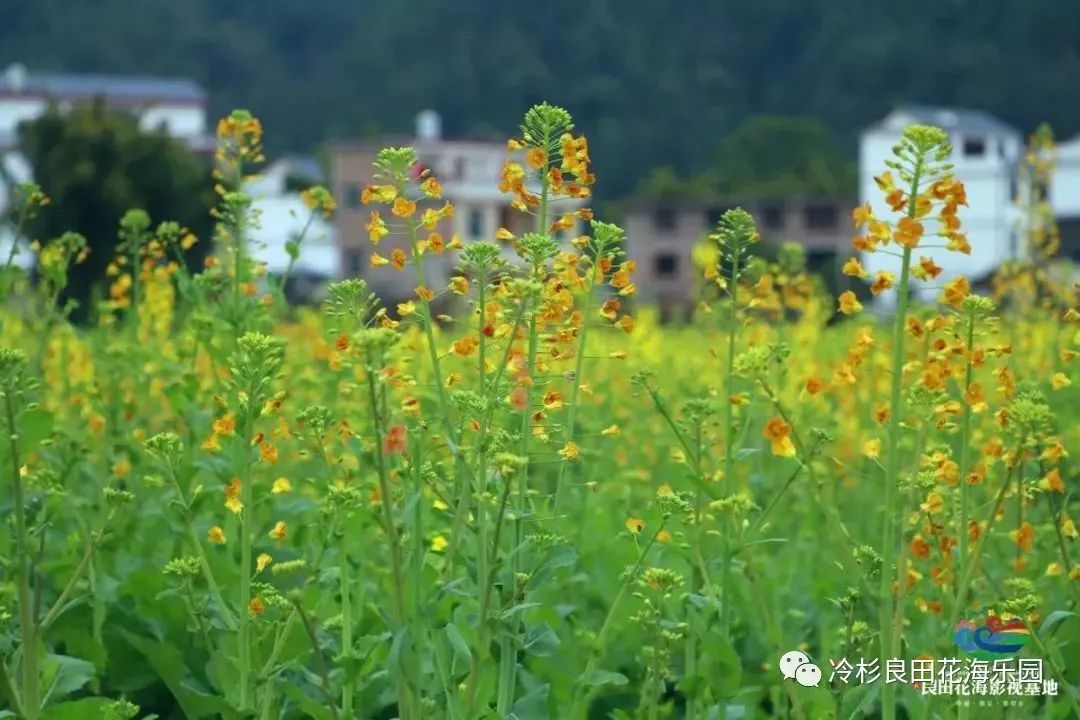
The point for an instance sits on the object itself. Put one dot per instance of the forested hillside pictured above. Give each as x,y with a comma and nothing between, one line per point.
654,84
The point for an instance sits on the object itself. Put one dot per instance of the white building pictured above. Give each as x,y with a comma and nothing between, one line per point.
283,218
1064,196
13,170
178,106
276,177
986,154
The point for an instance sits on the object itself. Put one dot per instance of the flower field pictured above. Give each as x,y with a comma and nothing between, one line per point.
518,495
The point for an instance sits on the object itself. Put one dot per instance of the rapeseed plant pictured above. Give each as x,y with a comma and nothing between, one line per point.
455,508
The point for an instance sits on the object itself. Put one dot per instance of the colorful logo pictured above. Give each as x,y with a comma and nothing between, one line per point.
986,636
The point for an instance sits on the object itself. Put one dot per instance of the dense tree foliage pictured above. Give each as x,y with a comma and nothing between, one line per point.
95,166
654,84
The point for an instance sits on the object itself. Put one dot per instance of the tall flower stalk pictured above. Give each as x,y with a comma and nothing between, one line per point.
921,167
735,233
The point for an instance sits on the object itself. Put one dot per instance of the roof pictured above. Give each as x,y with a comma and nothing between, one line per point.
401,140
116,88
950,119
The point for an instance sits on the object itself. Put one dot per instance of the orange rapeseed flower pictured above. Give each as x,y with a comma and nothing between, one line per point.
778,432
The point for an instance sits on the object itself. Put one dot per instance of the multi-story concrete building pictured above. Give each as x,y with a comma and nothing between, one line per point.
986,152
661,236
469,171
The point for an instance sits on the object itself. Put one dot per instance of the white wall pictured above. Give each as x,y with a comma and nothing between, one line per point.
1065,181
16,110
281,219
181,121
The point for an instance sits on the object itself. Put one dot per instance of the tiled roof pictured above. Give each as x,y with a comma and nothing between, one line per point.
950,119
119,88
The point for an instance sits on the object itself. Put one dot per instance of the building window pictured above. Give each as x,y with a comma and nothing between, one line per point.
772,217
666,264
821,216
974,146
476,223
352,196
665,218
459,168
354,263
506,217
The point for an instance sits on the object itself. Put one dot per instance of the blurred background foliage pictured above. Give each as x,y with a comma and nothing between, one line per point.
657,85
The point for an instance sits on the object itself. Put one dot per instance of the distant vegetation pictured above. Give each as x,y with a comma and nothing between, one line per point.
654,84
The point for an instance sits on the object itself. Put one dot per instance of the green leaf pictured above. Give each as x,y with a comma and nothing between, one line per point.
519,608
541,640
1051,623
400,652
310,707
457,642
65,675
35,426
858,699
722,667
533,706
558,557
75,710
169,665
600,678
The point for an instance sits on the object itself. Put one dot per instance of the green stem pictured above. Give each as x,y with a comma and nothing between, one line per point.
1055,514
18,228
246,524
387,499
275,653
965,441
348,681
461,469
31,691
892,470
11,690
507,651
729,454
698,578
211,583
80,570
320,661
483,576
969,567
1063,681
575,392
600,643
404,707
292,259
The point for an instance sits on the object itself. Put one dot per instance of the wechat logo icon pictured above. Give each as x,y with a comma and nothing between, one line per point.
796,665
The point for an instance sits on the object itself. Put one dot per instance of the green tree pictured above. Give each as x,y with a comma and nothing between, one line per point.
775,155
95,165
